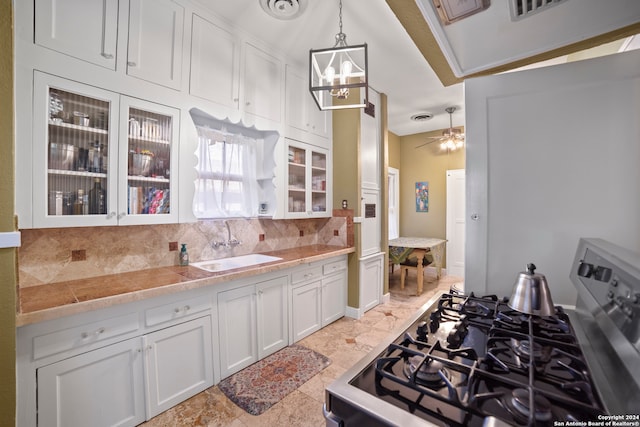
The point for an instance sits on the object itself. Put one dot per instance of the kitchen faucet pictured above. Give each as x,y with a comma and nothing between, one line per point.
229,242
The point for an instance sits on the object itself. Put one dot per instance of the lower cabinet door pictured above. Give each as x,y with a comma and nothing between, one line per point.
273,319
99,388
179,364
237,329
306,310
334,298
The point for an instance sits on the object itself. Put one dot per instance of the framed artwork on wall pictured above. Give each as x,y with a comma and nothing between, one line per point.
422,196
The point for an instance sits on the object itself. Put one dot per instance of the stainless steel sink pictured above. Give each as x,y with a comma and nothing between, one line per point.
216,265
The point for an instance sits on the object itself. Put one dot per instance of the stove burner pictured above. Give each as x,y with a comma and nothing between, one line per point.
526,351
519,405
429,374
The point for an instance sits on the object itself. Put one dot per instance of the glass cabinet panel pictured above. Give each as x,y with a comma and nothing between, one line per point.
318,182
101,158
297,179
308,180
148,162
78,150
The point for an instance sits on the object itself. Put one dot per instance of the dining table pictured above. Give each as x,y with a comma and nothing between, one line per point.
402,248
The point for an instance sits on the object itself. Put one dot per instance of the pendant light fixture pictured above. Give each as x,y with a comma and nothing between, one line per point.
333,72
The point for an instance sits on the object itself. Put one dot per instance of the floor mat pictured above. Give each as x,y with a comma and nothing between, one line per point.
263,384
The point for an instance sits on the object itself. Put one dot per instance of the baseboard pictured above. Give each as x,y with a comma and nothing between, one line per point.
353,312
386,298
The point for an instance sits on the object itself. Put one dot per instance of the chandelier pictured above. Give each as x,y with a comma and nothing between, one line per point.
334,71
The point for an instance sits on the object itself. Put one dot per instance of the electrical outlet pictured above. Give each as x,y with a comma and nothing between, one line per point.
261,237
336,233
173,246
301,233
79,255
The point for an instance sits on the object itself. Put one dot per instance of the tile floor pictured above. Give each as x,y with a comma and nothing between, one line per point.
345,342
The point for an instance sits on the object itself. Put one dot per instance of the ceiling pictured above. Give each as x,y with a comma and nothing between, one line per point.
399,58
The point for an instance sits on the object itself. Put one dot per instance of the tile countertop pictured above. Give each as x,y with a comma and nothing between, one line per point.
54,300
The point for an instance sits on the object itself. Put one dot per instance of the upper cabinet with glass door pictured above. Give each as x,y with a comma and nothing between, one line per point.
83,173
308,181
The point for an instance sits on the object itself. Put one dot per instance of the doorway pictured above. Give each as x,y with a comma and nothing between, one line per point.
455,222
394,202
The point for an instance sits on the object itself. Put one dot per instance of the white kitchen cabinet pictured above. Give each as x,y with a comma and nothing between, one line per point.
99,388
85,137
178,364
334,290
308,181
305,121
86,30
154,52
306,309
272,316
371,270
235,74
262,84
252,323
215,63
318,296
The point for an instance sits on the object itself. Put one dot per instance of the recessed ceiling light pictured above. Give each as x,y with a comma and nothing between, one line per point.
422,117
284,9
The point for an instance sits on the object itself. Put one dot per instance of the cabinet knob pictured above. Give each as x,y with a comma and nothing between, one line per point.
106,55
111,215
132,64
121,215
187,308
247,103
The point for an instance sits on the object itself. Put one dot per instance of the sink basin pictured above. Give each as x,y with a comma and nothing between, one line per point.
216,265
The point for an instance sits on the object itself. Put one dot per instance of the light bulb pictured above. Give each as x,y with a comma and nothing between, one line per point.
345,71
330,74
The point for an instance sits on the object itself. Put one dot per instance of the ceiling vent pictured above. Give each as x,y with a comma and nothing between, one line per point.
422,117
284,9
523,8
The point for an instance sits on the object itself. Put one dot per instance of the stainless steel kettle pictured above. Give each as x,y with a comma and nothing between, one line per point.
531,294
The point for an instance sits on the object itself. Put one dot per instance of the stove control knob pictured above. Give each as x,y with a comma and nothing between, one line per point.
422,331
585,269
610,295
434,321
602,274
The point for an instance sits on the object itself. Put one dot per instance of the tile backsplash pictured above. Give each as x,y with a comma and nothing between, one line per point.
51,255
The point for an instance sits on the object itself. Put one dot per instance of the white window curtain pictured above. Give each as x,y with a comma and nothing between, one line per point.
226,185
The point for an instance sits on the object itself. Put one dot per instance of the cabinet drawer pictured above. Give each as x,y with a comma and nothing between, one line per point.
334,267
176,310
304,275
68,339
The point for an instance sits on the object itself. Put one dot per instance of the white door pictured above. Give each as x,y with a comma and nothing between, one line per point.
334,297
179,364
237,329
394,203
155,41
273,316
543,170
98,388
215,63
455,222
86,30
370,281
306,310
262,84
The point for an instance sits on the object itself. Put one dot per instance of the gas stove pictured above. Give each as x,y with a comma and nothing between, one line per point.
467,360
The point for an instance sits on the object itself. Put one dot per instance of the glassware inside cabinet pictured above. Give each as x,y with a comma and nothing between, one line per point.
297,180
78,149
318,182
149,162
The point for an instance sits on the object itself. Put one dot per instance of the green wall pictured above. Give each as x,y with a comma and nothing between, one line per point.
429,164
394,150
8,276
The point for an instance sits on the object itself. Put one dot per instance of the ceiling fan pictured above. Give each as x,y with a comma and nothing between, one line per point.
451,139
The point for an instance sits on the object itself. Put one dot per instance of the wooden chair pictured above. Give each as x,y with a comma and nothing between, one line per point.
412,263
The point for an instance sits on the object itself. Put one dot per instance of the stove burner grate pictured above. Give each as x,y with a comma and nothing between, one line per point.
429,372
519,404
